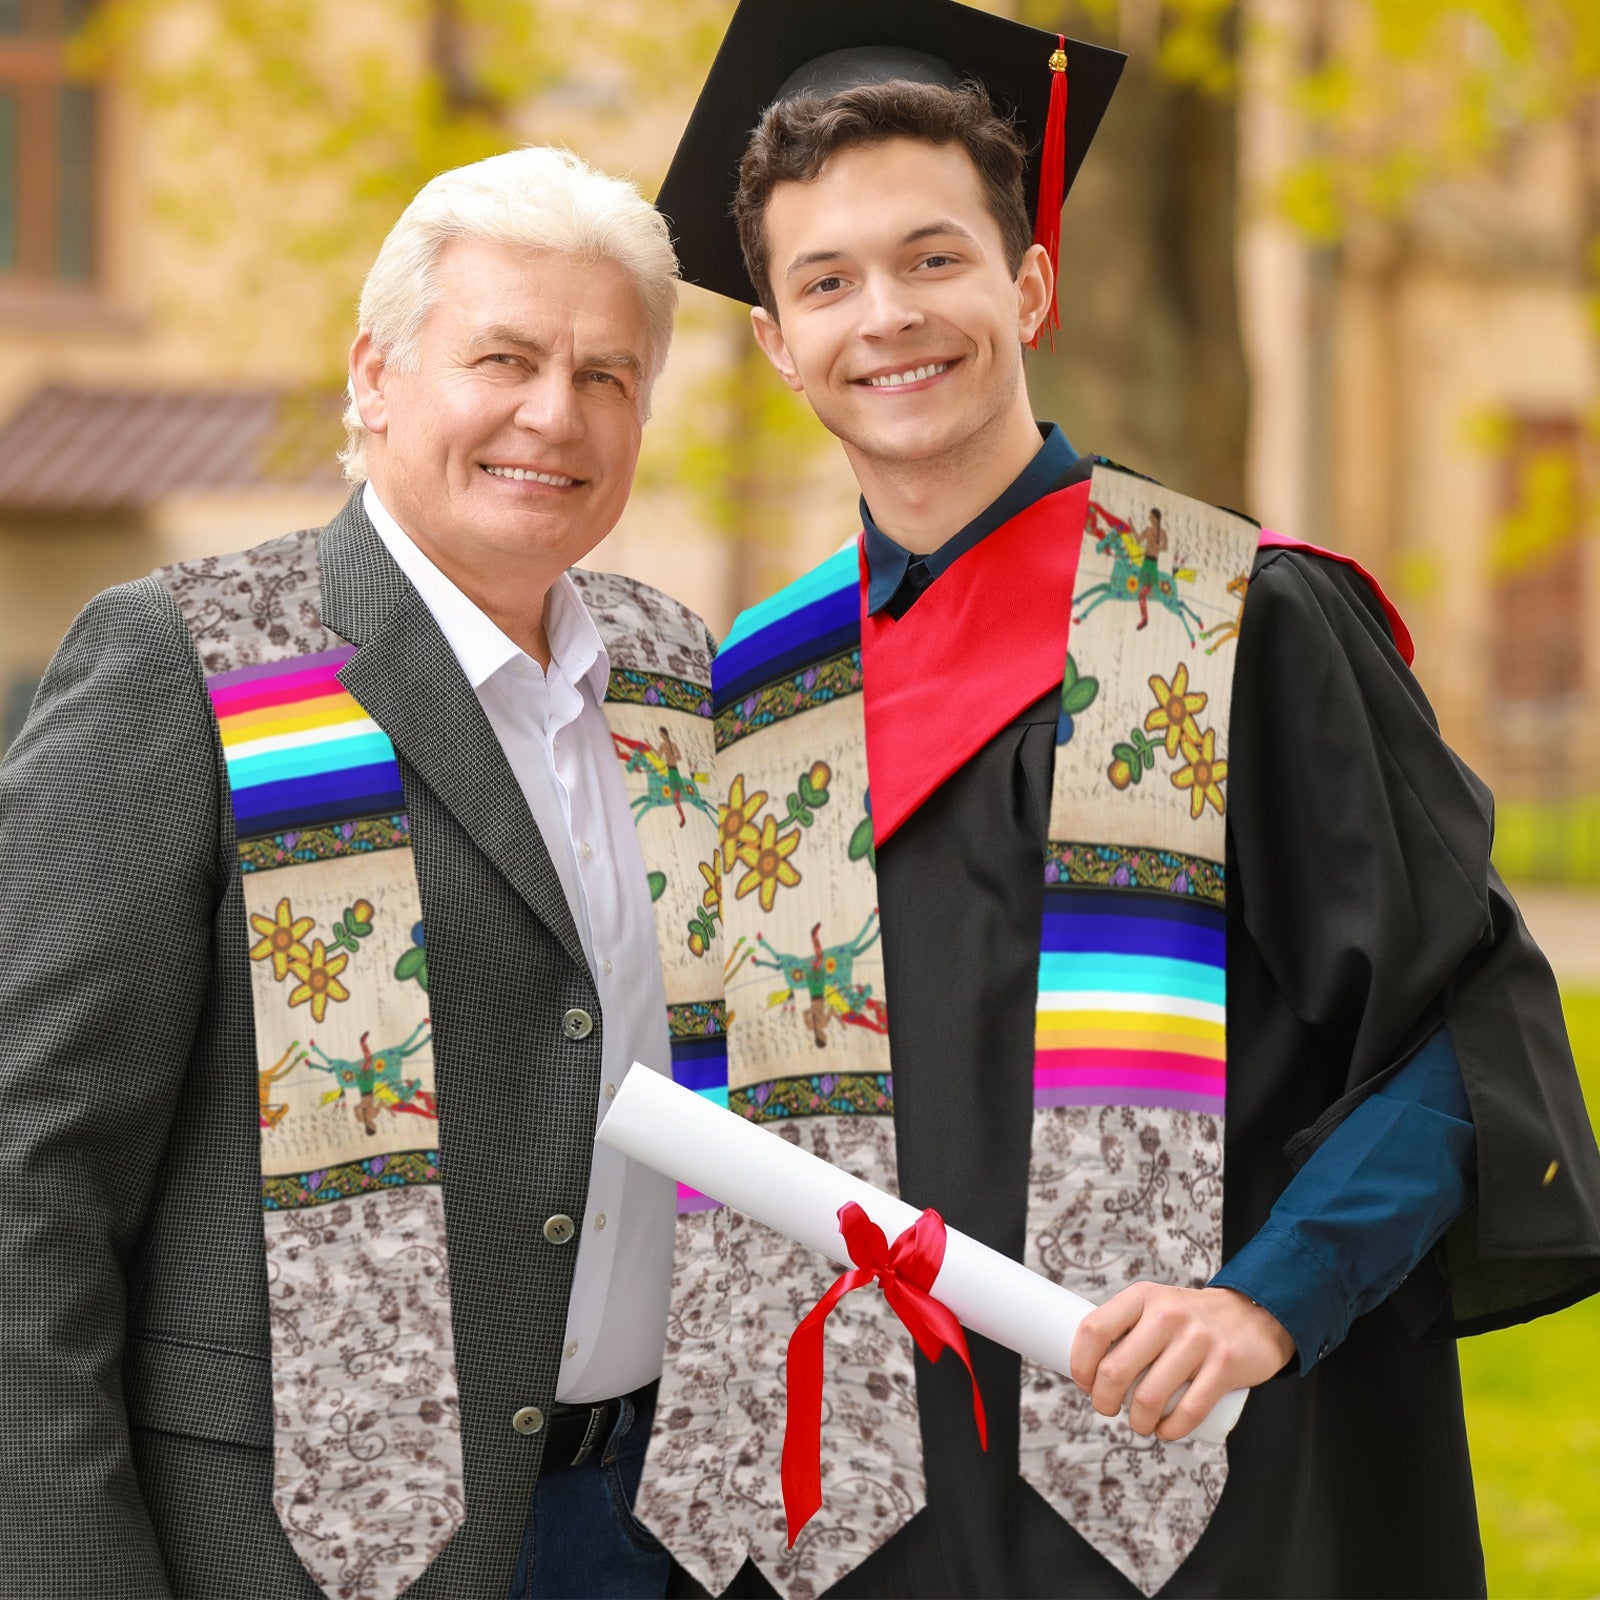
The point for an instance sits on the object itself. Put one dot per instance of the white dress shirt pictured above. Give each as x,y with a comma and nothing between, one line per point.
556,739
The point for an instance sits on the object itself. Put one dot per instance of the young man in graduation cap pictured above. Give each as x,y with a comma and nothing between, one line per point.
1182,976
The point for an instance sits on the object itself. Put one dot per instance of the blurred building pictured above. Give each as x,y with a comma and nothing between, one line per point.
1422,393
164,397
1426,396
121,447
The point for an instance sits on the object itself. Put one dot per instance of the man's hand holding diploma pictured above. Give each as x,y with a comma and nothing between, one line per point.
1215,1340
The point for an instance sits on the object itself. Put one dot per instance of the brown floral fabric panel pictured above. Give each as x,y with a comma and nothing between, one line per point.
738,1293
680,1497
261,605
1119,1193
373,1457
645,630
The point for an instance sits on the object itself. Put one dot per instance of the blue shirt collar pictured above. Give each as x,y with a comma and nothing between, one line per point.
888,562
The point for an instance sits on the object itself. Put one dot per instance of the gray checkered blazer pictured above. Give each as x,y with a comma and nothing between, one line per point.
135,1376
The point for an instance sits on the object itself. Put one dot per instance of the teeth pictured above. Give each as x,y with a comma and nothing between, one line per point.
519,475
913,375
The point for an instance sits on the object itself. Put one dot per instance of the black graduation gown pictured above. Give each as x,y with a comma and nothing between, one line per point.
1362,913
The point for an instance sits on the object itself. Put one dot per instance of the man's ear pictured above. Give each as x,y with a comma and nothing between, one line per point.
367,372
1036,282
774,347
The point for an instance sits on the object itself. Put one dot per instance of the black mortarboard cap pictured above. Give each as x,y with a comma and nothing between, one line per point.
777,48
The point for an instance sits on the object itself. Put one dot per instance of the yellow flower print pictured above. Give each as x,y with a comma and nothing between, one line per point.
769,865
281,938
1204,774
319,980
712,898
1175,709
738,819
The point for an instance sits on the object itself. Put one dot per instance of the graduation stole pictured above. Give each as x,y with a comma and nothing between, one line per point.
1130,1059
351,1168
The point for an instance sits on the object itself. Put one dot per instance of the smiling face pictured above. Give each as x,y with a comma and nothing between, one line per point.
511,445
898,315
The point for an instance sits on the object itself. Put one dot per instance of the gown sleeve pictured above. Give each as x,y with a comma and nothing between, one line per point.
1366,1208
1359,851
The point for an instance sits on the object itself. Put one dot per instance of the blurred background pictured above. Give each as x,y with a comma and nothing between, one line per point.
1334,262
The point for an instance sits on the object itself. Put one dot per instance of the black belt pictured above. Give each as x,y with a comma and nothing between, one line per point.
573,1433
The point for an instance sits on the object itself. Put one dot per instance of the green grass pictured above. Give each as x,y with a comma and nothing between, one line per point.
1533,1415
1548,841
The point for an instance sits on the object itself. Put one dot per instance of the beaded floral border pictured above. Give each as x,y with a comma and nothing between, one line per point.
776,702
657,689
825,1094
324,1186
325,842
697,1019
1111,866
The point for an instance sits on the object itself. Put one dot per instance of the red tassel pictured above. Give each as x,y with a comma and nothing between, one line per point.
1052,183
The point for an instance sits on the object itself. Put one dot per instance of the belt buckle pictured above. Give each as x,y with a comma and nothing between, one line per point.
590,1435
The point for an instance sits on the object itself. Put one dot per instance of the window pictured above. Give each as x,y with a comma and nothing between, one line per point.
1537,566
1539,587
47,147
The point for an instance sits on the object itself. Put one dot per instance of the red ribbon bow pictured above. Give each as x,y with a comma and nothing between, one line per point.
906,1269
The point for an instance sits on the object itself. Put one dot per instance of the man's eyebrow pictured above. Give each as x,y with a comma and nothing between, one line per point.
625,360
941,228
811,258
504,334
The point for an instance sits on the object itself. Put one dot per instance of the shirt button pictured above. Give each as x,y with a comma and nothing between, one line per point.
559,1229
530,1419
600,1223
611,1091
577,1023
572,1349
605,967
588,850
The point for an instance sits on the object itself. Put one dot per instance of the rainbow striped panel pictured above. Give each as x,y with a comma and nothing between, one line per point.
299,747
701,1065
1132,1002
817,616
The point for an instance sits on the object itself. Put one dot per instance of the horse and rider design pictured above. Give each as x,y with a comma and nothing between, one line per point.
1137,577
666,784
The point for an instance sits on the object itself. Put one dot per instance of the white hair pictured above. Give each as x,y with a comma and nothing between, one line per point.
537,197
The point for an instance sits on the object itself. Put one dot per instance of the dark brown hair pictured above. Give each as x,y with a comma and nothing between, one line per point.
796,137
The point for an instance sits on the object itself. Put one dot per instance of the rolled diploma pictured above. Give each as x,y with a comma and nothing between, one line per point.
681,1134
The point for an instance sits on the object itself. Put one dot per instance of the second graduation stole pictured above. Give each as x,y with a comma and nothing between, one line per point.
1129,1074
367,1449
352,1213
1130,1055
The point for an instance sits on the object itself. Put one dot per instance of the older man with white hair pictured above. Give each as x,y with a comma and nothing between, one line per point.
332,880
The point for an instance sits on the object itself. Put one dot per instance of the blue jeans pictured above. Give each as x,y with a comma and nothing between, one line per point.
583,1541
